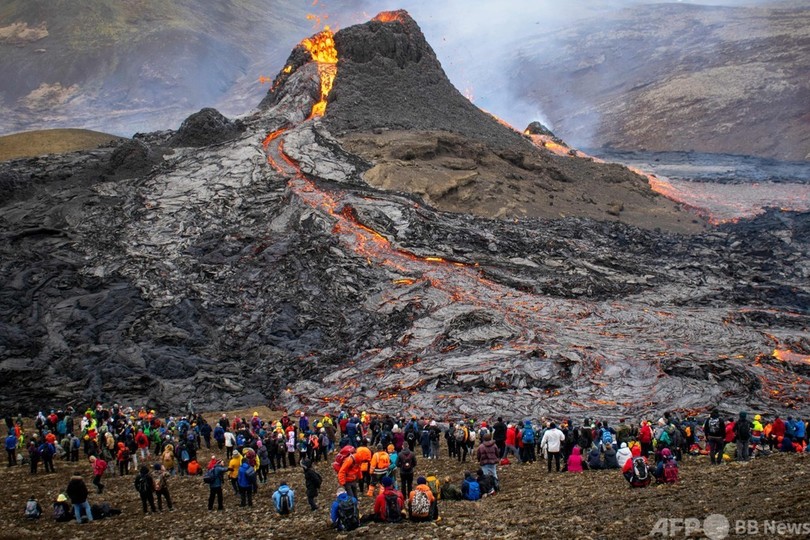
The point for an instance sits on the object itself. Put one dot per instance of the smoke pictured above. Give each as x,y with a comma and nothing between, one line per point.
479,45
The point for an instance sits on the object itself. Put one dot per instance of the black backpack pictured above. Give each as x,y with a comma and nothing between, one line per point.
347,515
714,428
743,429
393,511
142,484
284,504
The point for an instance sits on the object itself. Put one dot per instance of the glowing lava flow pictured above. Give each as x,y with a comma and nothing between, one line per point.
322,48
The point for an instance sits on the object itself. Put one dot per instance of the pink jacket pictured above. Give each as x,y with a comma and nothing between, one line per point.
575,460
99,466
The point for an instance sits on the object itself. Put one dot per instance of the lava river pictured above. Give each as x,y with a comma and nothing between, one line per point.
477,346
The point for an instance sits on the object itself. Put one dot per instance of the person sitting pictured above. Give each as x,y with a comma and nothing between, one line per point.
61,509
666,472
623,455
575,460
284,499
422,503
389,505
637,472
595,459
486,483
470,488
345,513
611,458
449,491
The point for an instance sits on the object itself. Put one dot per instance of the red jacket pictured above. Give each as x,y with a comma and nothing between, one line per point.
141,440
778,428
379,503
730,432
510,436
645,435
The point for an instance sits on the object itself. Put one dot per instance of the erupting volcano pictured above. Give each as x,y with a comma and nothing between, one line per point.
369,237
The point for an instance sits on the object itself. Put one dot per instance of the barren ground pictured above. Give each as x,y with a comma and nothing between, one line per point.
532,504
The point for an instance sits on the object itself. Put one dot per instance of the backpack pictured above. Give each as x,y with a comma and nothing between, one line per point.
32,509
393,510
208,477
142,484
714,428
347,515
76,443
743,429
250,474
184,457
407,463
528,435
284,504
281,447
410,436
420,504
607,437
460,434
435,486
58,511
640,471
341,456
670,471
473,490
664,438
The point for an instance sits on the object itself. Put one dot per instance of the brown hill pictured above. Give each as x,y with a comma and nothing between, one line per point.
51,141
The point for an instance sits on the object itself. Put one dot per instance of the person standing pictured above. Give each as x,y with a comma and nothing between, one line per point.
406,462
487,456
742,435
99,467
215,487
145,487
552,442
77,493
160,477
313,482
245,480
11,448
715,430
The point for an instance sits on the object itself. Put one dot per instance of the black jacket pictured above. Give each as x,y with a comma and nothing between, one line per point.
77,491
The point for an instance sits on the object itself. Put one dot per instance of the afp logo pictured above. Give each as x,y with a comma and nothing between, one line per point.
714,527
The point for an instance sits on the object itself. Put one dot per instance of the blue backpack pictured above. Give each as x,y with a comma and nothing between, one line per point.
528,435
607,437
473,490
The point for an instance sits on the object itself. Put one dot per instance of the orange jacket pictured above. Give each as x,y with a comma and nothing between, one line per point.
425,489
349,470
380,460
363,456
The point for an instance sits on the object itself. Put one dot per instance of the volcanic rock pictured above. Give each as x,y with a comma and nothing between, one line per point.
267,268
205,128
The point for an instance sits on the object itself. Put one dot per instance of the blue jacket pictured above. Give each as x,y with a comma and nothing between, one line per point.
219,474
242,478
341,497
11,442
800,431
284,488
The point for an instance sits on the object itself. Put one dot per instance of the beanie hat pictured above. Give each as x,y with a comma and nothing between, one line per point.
421,480
156,466
387,481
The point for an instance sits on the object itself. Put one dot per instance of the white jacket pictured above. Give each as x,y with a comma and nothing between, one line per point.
552,440
623,454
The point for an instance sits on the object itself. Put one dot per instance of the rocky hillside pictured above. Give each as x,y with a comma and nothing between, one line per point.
673,77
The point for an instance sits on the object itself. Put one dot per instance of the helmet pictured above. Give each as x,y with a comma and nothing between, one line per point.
758,418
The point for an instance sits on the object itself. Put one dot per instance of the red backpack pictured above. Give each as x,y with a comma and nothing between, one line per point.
342,455
670,471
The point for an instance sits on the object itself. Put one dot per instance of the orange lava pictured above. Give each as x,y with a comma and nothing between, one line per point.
786,355
321,47
390,16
